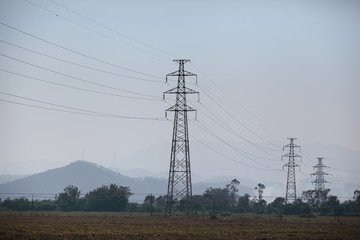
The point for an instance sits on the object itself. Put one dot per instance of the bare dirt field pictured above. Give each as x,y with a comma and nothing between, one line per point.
57,225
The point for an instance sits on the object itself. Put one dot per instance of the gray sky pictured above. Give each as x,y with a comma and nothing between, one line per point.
279,69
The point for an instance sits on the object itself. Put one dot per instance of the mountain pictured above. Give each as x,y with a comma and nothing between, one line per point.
10,178
82,174
87,176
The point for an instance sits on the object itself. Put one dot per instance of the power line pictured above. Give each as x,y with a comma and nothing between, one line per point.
236,119
80,65
233,100
231,131
78,53
94,31
44,195
227,157
83,111
77,88
226,127
52,104
232,147
79,79
342,160
113,30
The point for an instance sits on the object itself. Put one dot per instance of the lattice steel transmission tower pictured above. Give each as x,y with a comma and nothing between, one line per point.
291,165
179,183
319,180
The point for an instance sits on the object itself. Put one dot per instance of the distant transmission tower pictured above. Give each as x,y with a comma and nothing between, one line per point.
179,184
319,180
291,165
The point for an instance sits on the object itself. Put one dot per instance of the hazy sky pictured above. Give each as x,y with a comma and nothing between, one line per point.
278,68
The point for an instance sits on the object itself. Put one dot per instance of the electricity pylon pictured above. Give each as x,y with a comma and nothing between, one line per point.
319,180
179,183
291,165
319,174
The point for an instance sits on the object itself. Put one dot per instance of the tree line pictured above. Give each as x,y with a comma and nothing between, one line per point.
114,198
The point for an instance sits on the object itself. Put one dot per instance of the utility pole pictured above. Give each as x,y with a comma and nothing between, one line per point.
319,180
291,165
179,183
32,204
151,205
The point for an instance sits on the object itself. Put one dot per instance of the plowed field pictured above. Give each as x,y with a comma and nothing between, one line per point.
141,226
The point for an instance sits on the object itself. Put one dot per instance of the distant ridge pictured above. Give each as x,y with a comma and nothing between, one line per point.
9,178
87,176
82,174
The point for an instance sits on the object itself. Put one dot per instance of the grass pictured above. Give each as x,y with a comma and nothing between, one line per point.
85,225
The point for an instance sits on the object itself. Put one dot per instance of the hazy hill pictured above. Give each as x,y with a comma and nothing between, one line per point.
9,178
88,176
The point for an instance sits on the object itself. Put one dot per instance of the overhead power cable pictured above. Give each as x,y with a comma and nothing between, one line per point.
222,124
72,109
78,53
232,132
77,88
240,105
80,79
94,31
236,119
225,156
112,29
44,195
81,65
211,133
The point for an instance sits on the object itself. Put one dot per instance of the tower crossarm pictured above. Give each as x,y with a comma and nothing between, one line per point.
184,108
178,73
291,155
320,166
320,173
184,90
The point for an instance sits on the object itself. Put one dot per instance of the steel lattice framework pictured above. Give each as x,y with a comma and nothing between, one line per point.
291,165
319,174
179,183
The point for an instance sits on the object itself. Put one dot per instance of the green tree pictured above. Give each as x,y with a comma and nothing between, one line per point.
133,207
160,202
148,204
357,195
244,203
45,205
233,190
315,198
332,206
198,202
260,189
149,200
277,205
19,204
297,207
69,200
217,199
111,198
